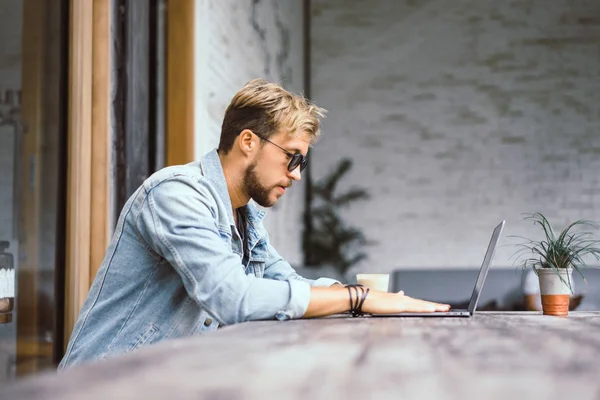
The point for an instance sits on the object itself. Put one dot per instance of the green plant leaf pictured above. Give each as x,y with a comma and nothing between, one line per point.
567,250
331,241
350,197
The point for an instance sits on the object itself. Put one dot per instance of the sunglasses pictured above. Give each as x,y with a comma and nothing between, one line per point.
295,159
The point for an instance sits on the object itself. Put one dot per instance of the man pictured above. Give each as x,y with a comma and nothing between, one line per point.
190,254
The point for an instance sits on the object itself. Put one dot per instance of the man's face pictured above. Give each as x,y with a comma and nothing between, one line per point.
267,178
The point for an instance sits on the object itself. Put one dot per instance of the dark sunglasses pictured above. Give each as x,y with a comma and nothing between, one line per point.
295,159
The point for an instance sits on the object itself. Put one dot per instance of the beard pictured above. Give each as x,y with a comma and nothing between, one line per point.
254,189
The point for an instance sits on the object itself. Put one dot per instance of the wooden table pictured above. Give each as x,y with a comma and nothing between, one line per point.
501,356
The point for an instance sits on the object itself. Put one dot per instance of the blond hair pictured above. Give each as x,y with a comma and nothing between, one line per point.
267,108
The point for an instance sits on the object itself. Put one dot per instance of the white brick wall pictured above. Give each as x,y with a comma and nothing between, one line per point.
459,114
236,41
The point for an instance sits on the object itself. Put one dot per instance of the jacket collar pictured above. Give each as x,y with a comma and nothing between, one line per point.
213,171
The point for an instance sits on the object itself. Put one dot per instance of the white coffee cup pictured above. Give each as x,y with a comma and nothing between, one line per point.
378,282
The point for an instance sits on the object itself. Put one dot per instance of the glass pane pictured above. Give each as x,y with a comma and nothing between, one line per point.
31,149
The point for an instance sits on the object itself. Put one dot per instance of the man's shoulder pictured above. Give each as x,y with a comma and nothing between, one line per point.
187,183
192,171
182,180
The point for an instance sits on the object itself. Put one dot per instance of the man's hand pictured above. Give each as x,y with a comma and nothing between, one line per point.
390,303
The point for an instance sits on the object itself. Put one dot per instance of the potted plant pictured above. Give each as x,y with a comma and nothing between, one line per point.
331,243
554,258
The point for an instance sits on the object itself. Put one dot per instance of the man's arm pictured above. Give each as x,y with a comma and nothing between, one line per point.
328,296
336,299
178,222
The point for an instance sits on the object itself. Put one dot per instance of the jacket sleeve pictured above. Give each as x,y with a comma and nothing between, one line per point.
178,220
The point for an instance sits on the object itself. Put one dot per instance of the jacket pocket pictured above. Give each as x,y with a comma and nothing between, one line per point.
145,338
206,324
258,256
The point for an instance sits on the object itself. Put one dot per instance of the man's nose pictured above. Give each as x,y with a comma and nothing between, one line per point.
296,174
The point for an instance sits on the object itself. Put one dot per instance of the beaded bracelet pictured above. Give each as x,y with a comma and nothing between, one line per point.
356,301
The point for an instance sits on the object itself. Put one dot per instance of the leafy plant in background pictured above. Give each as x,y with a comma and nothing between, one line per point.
330,241
565,250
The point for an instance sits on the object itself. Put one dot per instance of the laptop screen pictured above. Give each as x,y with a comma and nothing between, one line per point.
489,254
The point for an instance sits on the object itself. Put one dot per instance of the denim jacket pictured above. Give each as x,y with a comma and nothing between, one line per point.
175,268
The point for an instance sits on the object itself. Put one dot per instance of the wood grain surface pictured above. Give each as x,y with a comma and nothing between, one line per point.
491,356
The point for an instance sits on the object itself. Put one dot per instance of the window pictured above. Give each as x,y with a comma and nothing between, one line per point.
32,171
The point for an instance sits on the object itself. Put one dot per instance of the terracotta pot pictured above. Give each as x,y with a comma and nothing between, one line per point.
555,293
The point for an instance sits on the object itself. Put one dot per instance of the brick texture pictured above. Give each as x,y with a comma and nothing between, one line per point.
459,114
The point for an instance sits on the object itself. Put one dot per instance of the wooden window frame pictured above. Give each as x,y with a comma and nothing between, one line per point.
180,81
93,125
88,169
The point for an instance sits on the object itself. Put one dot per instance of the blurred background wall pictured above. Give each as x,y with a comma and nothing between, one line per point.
458,114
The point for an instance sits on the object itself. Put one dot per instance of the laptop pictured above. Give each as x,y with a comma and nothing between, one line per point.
487,260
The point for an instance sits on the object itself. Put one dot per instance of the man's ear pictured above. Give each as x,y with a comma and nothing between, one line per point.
246,142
